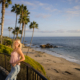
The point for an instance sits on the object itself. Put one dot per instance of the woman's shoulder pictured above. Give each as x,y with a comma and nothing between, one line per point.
19,49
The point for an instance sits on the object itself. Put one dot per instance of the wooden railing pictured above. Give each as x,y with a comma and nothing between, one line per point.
26,71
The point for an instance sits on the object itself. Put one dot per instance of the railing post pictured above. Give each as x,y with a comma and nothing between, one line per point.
37,77
5,60
27,72
33,75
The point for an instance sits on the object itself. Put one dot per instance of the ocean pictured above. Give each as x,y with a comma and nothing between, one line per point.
68,47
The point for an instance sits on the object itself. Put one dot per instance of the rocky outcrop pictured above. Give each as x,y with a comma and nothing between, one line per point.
48,46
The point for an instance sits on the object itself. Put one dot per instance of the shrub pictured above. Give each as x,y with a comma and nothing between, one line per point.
5,49
7,42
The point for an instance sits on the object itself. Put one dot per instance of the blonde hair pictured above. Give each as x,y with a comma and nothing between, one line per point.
20,45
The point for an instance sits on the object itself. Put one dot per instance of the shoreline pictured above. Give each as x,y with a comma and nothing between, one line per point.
58,67
54,53
58,55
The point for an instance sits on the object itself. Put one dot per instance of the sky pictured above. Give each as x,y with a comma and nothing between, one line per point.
54,17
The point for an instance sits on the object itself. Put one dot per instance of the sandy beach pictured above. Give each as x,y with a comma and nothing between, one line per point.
56,68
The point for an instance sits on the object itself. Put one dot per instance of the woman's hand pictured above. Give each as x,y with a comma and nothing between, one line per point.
13,64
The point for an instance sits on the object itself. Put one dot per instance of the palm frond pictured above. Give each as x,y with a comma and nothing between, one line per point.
6,5
33,25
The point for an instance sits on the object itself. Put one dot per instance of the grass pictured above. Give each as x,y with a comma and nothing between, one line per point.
35,64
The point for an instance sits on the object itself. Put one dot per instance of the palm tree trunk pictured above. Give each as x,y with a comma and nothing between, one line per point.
19,27
17,35
2,22
9,33
20,24
15,23
31,40
22,30
24,33
32,37
13,36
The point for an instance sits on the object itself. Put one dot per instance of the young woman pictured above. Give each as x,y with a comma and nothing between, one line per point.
15,60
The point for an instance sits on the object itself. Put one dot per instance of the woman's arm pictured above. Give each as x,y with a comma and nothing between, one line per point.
19,51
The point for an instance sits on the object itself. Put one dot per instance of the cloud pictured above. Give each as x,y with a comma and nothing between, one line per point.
10,14
55,31
25,3
40,4
34,4
37,4
76,0
4,29
73,12
76,7
73,31
42,15
51,9
70,0
60,31
45,31
28,3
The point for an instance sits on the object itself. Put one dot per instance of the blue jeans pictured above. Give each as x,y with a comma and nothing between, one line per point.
13,74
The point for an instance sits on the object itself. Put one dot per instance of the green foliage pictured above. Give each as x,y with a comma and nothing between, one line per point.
24,18
35,64
6,5
10,28
9,1
5,49
13,32
7,42
33,25
15,9
20,32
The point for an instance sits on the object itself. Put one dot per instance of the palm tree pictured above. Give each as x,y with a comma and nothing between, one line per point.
17,31
21,10
33,25
20,31
13,32
24,17
21,13
9,29
15,9
5,3
25,20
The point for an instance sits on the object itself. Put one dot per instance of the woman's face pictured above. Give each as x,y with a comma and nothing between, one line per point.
16,43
